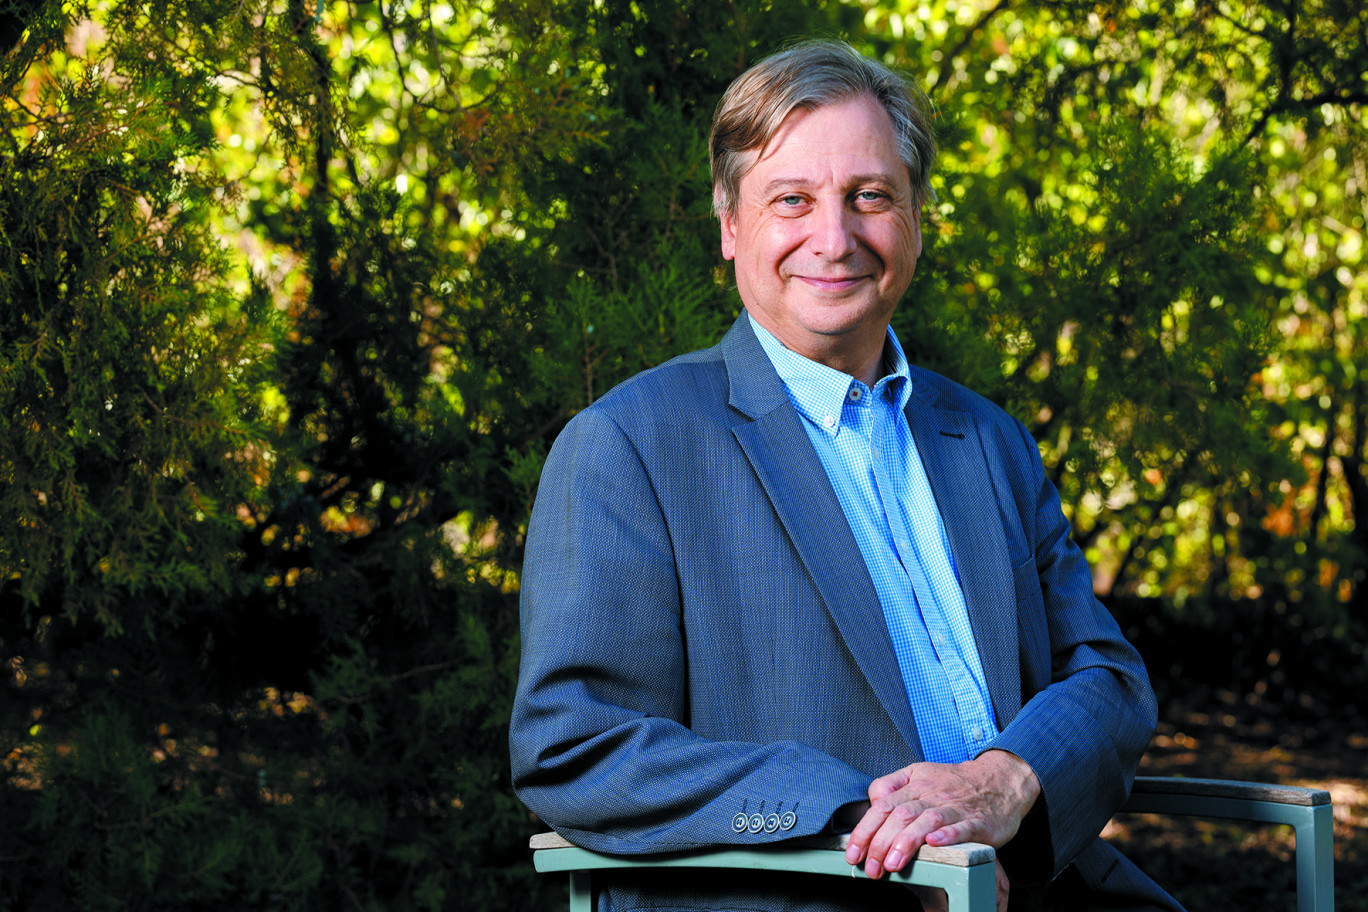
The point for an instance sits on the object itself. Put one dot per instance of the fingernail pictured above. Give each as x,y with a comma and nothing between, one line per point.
894,860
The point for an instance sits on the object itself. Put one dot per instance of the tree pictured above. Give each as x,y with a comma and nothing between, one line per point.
1150,222
250,667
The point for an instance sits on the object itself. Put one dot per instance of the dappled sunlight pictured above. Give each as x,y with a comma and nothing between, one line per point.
1213,864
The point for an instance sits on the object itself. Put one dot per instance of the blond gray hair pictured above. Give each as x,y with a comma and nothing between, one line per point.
807,76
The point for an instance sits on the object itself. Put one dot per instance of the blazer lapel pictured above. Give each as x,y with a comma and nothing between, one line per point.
952,450
787,466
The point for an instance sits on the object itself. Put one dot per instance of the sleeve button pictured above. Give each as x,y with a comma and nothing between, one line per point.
739,823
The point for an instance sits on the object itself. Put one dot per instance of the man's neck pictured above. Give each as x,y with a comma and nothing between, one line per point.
863,358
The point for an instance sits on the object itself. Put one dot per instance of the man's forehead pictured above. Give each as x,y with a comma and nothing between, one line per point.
787,160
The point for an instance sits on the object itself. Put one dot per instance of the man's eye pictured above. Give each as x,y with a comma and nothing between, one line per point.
791,200
869,196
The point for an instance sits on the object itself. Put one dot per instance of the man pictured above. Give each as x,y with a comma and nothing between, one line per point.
793,581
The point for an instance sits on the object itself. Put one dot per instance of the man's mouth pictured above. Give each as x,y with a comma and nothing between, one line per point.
833,283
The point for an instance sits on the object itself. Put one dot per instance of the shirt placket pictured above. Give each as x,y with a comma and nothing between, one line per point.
889,469
923,560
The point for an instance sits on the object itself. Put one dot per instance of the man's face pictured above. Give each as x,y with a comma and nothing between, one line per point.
825,235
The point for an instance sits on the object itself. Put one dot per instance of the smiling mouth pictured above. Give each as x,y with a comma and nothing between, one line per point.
837,283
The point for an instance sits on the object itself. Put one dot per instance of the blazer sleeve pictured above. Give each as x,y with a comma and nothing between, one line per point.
1089,710
600,742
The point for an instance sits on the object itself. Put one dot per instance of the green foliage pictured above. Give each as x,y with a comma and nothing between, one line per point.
1137,219
122,361
294,299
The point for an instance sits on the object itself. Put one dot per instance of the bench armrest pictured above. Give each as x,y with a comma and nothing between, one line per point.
1225,798
1308,811
965,872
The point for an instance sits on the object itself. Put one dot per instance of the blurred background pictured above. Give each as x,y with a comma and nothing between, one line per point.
295,296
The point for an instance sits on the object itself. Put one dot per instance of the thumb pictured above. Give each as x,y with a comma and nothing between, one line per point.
887,785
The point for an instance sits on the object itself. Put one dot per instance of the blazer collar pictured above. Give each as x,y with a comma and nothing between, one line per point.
755,387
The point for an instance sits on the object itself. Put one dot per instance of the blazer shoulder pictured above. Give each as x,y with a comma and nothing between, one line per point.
942,392
690,383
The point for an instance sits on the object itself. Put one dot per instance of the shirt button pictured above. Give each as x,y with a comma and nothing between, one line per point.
977,733
829,421
855,394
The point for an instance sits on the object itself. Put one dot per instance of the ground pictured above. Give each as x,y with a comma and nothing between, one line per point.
1218,867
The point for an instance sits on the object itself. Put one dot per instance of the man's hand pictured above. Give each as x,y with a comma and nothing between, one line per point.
982,800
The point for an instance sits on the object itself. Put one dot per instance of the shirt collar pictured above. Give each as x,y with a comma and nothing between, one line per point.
819,392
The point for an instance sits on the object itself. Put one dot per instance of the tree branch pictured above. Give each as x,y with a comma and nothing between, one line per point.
948,60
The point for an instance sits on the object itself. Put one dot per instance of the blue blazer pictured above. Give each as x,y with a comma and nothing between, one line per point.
701,641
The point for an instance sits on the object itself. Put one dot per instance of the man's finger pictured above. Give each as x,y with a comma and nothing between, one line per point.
1004,887
967,830
902,836
860,836
865,840
887,785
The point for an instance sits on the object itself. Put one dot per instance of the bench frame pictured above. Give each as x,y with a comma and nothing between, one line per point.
966,872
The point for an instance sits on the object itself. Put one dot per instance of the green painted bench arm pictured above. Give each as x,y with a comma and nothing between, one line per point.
965,872
1307,811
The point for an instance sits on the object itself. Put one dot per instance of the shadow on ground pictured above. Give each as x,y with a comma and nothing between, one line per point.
1213,866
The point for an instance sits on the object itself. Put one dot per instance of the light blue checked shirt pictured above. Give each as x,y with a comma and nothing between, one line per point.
866,447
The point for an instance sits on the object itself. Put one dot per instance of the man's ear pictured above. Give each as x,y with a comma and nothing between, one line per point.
728,234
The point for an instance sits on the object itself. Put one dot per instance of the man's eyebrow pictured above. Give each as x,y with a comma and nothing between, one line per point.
785,183
879,178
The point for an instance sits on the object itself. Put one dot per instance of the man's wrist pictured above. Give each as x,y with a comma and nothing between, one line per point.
1018,780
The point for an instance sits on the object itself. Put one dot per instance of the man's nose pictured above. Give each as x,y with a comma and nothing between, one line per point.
833,231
